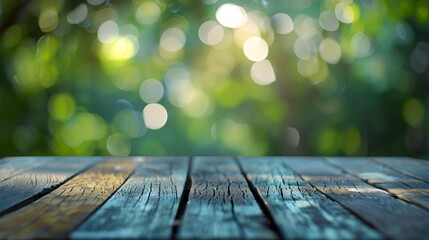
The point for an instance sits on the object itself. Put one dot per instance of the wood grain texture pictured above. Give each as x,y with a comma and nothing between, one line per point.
12,166
413,167
55,215
393,217
145,206
220,203
300,211
40,179
401,185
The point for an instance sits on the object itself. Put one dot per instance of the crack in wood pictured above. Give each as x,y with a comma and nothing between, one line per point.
377,208
303,212
380,178
218,206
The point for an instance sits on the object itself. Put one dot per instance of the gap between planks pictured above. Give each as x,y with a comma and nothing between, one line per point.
221,204
261,202
25,187
417,198
418,172
391,216
259,199
56,214
369,224
145,206
300,210
183,202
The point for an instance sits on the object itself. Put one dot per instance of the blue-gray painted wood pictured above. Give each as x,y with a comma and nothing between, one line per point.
12,166
298,209
391,216
57,213
145,206
221,204
401,185
40,180
413,167
305,198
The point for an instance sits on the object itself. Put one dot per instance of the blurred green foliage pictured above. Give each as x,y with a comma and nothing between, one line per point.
185,77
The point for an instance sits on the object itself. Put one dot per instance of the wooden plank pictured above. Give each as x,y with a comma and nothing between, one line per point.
413,167
393,217
300,211
221,204
401,185
145,206
55,215
22,188
12,166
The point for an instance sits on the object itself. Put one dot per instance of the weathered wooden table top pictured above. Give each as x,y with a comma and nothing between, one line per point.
214,197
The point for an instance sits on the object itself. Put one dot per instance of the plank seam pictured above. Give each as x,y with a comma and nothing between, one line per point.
177,222
45,191
364,221
101,204
379,188
396,170
39,162
261,203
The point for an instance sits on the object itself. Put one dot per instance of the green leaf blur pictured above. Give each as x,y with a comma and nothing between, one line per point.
213,77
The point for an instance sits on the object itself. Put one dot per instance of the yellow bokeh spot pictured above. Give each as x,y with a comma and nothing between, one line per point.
314,70
351,141
61,106
148,12
239,136
47,76
12,36
328,141
413,112
118,144
59,147
309,67
199,106
347,13
120,49
47,47
231,96
127,78
82,128
422,11
275,111
321,75
48,19
33,74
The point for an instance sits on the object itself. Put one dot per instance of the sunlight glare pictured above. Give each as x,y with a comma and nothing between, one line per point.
210,33
330,51
108,32
155,116
151,91
262,73
282,23
173,39
255,49
231,15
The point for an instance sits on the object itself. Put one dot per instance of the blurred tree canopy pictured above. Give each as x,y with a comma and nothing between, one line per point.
214,77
